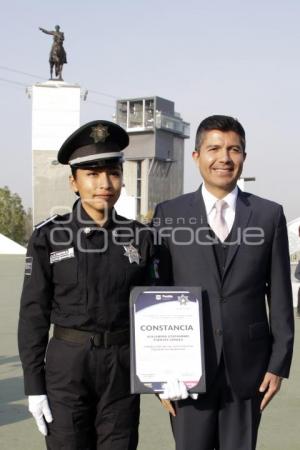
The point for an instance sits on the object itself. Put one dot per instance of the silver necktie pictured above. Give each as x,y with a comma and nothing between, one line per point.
219,224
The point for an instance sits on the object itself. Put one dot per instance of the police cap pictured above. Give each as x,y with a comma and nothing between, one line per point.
95,144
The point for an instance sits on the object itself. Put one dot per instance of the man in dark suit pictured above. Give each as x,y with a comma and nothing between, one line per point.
233,244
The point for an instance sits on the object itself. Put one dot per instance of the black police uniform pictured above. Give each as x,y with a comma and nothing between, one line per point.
78,277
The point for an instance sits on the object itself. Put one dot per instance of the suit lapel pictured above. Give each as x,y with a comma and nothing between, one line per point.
242,216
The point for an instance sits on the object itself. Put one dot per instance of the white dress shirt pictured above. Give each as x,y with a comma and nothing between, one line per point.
229,212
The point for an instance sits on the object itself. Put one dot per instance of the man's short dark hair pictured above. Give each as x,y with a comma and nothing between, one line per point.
221,123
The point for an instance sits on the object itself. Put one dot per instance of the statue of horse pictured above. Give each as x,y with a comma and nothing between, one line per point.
58,55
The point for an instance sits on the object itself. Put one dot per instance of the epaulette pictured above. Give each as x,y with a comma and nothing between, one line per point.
50,219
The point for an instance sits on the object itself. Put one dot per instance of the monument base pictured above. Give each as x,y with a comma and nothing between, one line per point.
55,115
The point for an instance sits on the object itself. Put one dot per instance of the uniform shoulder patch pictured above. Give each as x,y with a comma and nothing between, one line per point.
50,219
28,265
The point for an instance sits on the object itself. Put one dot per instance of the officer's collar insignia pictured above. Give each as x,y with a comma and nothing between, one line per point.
132,253
99,133
183,299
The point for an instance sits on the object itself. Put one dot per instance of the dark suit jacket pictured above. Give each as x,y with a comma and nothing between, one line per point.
253,338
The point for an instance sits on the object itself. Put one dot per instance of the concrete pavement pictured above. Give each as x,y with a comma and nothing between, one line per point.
279,429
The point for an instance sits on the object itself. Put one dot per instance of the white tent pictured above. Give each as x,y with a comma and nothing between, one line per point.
293,232
9,247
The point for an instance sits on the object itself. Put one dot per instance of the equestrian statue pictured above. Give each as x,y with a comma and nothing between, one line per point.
58,56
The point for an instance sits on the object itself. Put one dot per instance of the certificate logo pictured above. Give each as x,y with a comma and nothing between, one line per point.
183,299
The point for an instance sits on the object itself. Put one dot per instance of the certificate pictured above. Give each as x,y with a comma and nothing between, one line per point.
166,338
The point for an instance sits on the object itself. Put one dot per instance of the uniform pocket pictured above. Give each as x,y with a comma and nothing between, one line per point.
65,272
259,330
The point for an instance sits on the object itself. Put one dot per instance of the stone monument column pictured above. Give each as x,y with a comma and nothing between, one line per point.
55,115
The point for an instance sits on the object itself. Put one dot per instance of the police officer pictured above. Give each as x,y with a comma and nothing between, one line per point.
79,271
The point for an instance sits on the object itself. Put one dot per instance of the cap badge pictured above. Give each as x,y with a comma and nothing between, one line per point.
132,253
99,133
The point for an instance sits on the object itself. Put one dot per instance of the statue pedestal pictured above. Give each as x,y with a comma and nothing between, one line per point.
55,115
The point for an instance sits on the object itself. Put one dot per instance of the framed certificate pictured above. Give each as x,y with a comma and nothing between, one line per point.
166,338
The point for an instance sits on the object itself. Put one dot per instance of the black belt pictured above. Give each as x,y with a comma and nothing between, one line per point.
105,339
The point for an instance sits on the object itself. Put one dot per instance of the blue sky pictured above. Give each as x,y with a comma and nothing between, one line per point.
222,57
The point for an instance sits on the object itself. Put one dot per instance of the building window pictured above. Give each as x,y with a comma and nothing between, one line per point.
136,114
149,113
122,114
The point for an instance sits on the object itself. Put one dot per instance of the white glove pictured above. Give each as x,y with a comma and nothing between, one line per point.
176,390
39,407
194,396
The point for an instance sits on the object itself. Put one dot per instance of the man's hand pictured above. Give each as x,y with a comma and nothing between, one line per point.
39,407
270,385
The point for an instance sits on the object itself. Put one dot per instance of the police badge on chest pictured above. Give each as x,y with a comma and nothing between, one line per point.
132,254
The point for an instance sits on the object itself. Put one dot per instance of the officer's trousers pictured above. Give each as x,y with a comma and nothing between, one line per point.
88,393
217,420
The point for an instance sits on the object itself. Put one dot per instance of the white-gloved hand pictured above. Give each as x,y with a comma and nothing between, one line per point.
174,390
194,396
39,407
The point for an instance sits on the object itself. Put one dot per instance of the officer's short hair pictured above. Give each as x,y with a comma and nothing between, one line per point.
74,169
